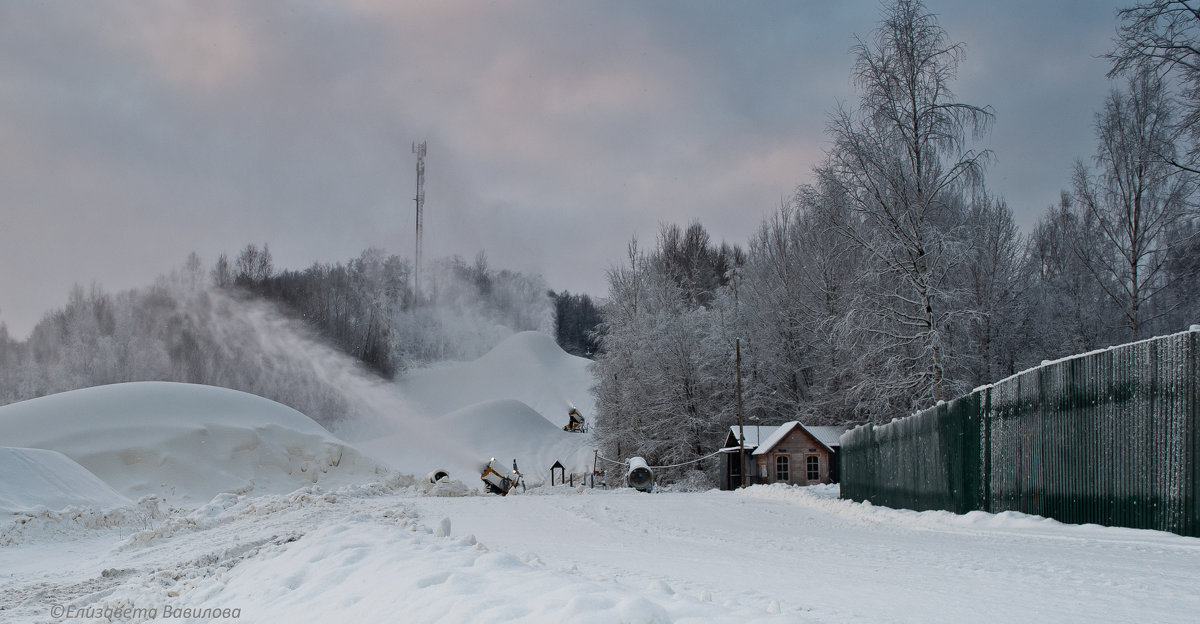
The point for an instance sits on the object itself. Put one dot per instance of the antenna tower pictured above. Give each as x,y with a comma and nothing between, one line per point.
419,150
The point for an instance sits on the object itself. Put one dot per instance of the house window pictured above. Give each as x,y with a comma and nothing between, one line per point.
781,468
814,468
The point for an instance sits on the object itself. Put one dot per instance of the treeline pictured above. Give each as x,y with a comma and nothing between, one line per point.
242,324
369,307
576,319
896,279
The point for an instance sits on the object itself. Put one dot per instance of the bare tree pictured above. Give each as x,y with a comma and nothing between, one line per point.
1134,199
902,159
994,284
1163,37
1069,313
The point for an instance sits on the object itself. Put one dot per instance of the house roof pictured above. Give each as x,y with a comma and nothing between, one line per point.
779,434
829,436
826,436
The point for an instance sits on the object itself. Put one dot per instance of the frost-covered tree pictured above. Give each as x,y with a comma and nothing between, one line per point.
1069,312
902,159
665,376
1179,302
996,288
1130,204
798,277
1162,37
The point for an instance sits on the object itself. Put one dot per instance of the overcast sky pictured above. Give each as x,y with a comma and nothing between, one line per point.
132,133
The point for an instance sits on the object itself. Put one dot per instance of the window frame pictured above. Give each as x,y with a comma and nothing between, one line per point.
812,465
782,468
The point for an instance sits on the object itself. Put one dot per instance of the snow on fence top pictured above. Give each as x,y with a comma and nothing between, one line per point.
1107,437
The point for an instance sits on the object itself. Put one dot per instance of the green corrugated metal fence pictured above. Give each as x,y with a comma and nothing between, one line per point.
1110,437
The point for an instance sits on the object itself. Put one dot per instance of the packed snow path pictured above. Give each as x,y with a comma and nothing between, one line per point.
393,552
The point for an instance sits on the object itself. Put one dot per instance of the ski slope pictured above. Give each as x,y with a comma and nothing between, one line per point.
528,367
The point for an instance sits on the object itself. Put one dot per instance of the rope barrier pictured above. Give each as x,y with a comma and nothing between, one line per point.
700,459
626,462
613,461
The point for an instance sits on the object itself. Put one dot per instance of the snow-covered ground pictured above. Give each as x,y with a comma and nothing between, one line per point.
143,502
396,552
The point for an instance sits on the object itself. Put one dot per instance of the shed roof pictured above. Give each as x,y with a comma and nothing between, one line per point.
826,436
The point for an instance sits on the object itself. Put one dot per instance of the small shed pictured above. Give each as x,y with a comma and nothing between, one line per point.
732,466
790,453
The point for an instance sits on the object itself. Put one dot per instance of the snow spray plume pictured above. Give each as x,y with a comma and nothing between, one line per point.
290,366
470,309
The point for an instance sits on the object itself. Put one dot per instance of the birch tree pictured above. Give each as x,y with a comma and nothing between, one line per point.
1162,37
1134,198
901,159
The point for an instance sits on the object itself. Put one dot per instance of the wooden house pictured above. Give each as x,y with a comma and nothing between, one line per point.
790,453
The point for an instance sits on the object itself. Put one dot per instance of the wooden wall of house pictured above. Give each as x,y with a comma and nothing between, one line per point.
797,446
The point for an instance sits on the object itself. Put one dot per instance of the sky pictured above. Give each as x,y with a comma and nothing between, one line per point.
133,133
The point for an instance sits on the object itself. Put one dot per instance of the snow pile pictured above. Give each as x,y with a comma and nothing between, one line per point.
505,429
36,480
184,443
528,367
511,403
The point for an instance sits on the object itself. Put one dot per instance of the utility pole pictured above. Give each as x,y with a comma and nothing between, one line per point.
741,430
419,150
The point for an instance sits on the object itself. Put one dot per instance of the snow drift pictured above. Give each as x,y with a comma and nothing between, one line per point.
37,479
184,443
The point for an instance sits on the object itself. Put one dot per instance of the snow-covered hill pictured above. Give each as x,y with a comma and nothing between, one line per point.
528,367
182,442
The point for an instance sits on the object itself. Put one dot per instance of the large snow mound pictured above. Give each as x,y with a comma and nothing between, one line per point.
529,367
511,403
508,429
182,442
36,480
505,429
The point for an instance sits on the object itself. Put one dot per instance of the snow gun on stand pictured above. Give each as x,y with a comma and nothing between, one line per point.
575,422
497,483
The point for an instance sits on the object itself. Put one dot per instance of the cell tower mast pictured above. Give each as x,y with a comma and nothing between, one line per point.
419,150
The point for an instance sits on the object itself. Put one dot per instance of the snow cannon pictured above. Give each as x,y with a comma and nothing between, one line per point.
640,477
575,422
496,483
437,475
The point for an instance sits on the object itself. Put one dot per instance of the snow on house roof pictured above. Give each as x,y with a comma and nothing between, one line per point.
827,436
779,434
